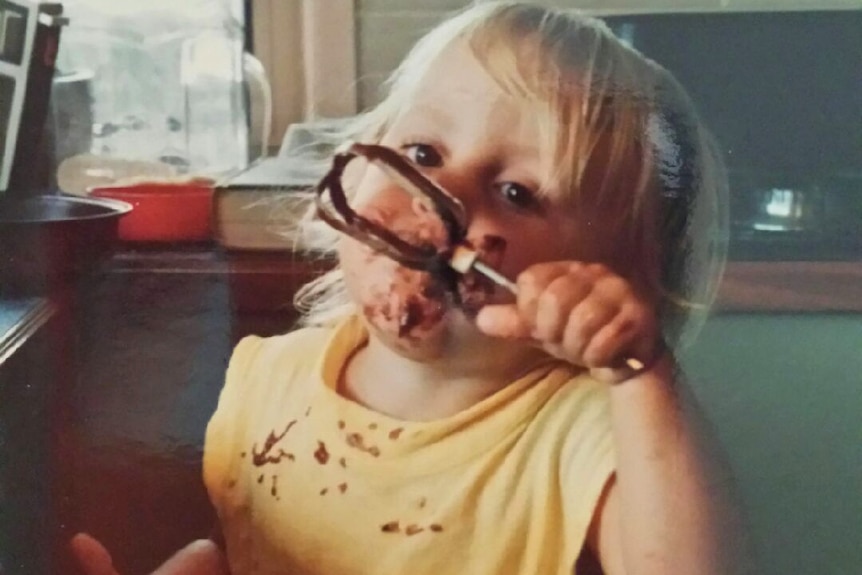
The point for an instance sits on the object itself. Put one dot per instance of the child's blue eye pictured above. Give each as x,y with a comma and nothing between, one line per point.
519,196
423,155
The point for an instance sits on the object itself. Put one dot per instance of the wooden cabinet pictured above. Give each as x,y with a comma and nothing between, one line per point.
35,357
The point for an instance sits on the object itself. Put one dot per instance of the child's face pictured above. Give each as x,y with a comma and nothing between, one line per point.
482,145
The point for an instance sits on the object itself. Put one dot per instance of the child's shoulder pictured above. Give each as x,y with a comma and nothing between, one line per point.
301,338
578,405
291,348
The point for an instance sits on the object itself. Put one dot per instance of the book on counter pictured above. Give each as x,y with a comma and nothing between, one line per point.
257,208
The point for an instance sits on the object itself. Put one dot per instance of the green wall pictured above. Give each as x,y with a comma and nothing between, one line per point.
784,394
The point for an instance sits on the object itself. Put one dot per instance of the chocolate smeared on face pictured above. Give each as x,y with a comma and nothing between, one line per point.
409,303
340,215
404,283
473,290
402,301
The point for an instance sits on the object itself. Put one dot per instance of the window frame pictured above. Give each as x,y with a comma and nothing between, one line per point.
308,48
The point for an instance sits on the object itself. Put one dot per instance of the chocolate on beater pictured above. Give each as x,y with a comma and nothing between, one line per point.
465,279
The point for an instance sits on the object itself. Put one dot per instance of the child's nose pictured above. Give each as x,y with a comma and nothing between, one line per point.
465,183
380,193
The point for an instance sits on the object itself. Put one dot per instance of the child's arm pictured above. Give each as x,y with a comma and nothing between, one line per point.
664,511
668,508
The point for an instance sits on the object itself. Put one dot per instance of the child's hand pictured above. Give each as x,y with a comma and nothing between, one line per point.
582,313
201,557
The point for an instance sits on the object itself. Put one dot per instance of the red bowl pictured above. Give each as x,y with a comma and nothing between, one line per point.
163,211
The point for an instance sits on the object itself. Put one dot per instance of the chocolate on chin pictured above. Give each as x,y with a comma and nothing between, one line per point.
410,303
416,301
398,300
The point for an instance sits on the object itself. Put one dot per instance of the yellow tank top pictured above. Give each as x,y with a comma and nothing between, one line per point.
307,482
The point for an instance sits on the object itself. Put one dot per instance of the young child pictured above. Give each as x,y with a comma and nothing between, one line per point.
510,437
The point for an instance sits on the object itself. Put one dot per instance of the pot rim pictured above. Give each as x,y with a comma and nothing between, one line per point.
113,209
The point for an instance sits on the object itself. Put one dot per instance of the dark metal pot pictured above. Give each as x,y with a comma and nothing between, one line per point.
50,241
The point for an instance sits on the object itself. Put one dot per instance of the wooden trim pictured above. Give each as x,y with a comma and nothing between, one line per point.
329,43
308,49
774,287
791,287
277,43
625,7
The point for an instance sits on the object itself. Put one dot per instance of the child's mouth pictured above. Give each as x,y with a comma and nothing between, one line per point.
409,303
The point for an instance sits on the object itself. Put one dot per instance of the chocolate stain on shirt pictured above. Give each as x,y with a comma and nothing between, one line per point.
411,529
391,527
320,454
266,454
357,441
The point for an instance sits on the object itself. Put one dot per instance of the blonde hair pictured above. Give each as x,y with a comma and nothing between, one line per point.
623,144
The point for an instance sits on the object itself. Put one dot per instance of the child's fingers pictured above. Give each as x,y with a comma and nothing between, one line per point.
201,557
584,323
631,335
612,343
555,306
91,555
503,320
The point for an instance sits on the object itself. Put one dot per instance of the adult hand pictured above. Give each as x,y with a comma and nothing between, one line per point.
201,557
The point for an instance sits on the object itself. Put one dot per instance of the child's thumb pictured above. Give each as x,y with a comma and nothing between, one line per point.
202,557
503,321
91,555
